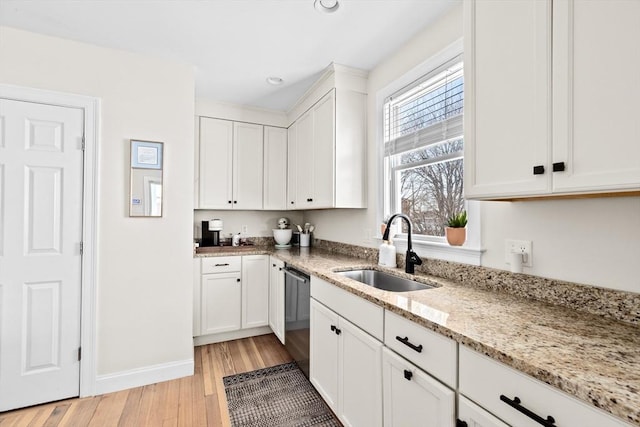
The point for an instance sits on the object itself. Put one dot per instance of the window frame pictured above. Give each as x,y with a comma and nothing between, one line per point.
428,246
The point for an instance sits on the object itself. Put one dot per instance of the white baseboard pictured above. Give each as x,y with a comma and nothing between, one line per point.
233,335
143,376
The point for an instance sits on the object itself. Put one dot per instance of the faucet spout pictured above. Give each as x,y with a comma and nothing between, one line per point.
411,258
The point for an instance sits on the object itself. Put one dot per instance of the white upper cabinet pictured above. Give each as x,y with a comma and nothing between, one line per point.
596,89
216,163
549,102
230,165
292,161
275,168
329,143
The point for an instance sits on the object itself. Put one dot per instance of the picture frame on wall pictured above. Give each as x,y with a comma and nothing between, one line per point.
146,154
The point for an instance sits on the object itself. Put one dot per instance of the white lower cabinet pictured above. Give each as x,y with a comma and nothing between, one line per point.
255,291
345,366
221,302
521,400
471,415
412,397
231,293
276,297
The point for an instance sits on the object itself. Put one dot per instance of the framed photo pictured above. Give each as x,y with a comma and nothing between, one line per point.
146,154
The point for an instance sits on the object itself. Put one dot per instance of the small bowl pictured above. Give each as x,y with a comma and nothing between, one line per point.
282,237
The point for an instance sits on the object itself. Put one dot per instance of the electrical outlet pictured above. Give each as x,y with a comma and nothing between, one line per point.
245,229
520,246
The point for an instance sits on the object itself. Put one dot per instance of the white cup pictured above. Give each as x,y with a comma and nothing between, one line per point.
305,238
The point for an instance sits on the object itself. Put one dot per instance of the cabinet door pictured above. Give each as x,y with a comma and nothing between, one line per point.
216,158
507,97
276,298
197,296
292,162
304,161
360,374
248,165
323,353
275,168
596,78
221,303
323,152
255,291
413,398
475,416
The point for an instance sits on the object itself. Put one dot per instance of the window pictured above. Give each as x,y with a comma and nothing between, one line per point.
423,150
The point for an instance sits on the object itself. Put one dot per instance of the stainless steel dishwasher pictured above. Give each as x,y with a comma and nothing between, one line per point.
297,294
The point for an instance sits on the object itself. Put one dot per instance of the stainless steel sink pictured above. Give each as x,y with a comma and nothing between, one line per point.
384,281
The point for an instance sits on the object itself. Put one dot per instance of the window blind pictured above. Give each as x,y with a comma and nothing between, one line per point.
426,112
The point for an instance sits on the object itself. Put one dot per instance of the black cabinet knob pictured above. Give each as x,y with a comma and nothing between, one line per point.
292,202
229,201
538,170
237,280
558,167
460,423
235,201
408,374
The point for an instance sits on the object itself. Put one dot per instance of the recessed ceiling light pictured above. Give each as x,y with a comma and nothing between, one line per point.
275,81
326,6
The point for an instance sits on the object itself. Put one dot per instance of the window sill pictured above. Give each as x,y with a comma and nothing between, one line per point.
442,251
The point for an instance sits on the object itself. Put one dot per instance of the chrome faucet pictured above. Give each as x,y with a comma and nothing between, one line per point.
411,258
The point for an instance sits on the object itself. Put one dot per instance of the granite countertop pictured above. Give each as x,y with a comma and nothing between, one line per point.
590,357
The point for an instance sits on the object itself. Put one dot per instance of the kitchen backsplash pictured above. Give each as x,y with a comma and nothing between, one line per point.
619,305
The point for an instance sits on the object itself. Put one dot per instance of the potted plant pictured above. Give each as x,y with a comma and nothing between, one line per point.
455,231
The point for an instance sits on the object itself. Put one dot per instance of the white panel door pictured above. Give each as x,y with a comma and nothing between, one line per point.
275,168
40,262
247,163
216,158
304,161
507,83
413,398
276,298
474,416
292,169
596,88
255,291
324,120
360,377
323,353
221,300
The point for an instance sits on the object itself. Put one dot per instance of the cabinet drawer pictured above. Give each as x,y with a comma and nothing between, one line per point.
364,314
222,264
430,351
484,381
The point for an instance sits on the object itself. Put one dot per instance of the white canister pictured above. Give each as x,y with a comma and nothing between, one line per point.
387,255
305,239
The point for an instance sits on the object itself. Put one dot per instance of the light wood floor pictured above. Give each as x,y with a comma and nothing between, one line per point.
194,401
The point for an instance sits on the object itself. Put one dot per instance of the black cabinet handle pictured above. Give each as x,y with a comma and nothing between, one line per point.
273,265
309,200
280,268
229,201
515,404
235,201
558,167
408,374
538,170
222,265
336,330
292,202
406,342
237,280
460,423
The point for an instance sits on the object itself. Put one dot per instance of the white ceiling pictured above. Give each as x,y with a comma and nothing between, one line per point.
236,44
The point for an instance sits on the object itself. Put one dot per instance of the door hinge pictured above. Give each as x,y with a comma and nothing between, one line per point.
79,353
81,248
83,142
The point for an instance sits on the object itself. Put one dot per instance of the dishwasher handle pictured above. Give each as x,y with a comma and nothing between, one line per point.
295,274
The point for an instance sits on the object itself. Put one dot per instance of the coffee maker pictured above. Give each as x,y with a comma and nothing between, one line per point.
211,232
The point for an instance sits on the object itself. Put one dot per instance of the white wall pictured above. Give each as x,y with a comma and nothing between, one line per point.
589,241
144,265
